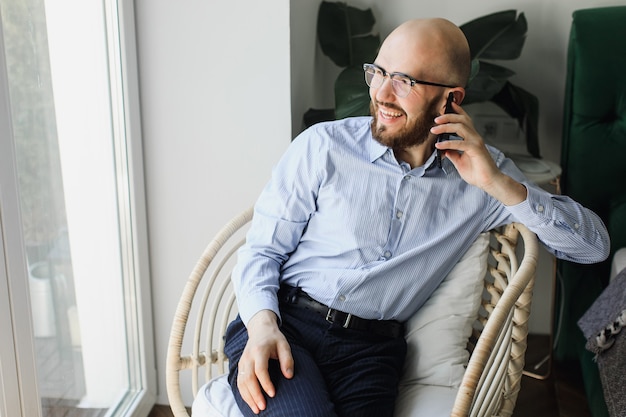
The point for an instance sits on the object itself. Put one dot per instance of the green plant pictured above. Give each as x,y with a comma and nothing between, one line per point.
501,36
346,36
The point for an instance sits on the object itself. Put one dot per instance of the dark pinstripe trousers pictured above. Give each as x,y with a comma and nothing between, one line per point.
337,372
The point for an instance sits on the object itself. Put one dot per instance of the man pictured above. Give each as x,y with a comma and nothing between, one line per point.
358,226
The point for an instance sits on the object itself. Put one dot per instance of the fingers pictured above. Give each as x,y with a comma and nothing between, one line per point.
285,359
263,377
265,343
253,384
253,376
250,391
453,122
460,124
470,156
457,125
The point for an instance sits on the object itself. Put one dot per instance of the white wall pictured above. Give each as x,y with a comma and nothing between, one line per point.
215,82
217,109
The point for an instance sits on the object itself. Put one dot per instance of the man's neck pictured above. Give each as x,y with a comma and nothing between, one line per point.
416,155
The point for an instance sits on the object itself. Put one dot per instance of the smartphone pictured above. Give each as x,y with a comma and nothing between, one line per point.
446,136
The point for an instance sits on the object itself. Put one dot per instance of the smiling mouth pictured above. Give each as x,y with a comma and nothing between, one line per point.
388,111
386,114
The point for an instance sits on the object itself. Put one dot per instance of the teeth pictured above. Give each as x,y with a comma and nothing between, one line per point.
390,114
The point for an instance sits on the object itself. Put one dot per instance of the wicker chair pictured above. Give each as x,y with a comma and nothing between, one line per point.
490,384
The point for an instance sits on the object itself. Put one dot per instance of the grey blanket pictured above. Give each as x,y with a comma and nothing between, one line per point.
604,327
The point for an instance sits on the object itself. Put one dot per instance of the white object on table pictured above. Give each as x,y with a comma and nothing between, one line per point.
619,262
539,171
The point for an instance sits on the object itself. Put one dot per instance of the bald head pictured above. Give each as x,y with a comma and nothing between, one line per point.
437,46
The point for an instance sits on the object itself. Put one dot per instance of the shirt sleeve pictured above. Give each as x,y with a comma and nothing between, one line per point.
567,229
281,214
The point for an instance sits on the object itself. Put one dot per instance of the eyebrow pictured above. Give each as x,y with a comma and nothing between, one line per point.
414,80
392,73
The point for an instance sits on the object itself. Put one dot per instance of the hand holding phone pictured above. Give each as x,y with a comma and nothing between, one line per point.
446,136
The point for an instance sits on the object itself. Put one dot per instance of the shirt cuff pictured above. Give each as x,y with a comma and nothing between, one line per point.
535,210
257,302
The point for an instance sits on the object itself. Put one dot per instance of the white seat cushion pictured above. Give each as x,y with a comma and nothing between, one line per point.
436,337
418,400
215,399
437,334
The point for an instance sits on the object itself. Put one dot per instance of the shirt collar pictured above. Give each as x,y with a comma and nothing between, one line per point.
446,165
376,149
429,165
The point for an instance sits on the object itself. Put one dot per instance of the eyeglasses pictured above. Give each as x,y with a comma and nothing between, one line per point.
401,83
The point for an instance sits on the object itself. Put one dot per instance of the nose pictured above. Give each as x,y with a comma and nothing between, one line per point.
385,91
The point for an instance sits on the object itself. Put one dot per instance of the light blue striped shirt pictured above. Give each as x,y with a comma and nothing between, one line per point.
367,235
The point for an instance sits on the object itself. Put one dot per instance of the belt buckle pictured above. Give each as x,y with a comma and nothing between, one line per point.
330,318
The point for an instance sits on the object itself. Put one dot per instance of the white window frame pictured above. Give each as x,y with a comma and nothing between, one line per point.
18,380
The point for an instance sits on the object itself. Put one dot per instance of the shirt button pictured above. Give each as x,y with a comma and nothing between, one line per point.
399,214
342,298
540,208
576,226
387,255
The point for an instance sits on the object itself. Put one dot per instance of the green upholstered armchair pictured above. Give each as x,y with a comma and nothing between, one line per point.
594,169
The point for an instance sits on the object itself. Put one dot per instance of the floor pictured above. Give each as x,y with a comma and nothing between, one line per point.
161,411
559,394
68,409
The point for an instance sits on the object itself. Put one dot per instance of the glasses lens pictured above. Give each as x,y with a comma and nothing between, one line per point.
401,85
373,76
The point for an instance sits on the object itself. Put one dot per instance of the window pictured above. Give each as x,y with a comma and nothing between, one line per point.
74,115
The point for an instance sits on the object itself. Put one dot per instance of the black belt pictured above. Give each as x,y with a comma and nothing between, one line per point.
296,297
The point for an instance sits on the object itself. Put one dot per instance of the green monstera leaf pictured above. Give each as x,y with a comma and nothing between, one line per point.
345,33
486,83
498,36
501,36
352,97
346,36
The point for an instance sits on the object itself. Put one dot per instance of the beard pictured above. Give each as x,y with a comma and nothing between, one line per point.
410,135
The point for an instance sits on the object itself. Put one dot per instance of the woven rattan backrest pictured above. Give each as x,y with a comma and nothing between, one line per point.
492,380
207,303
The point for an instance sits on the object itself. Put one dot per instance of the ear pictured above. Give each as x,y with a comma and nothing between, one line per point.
459,95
